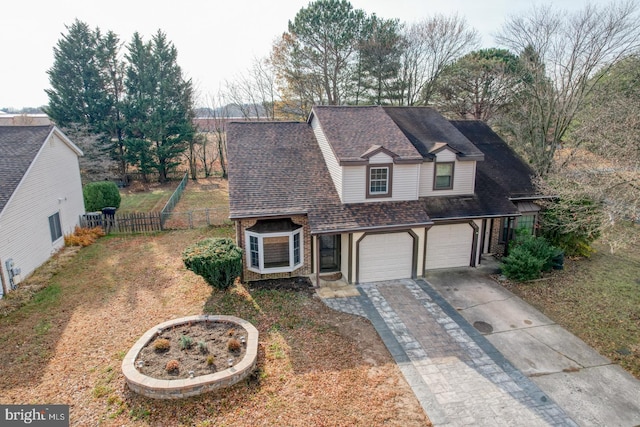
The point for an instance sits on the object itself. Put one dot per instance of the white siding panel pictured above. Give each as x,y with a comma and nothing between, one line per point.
385,257
380,158
464,176
404,184
354,184
449,246
329,157
52,184
446,156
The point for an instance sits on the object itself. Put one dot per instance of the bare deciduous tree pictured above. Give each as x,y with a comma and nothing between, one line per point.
564,52
255,93
432,44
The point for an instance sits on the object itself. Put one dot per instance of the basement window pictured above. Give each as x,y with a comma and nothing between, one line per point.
274,246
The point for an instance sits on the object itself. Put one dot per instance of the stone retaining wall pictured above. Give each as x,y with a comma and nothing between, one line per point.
185,387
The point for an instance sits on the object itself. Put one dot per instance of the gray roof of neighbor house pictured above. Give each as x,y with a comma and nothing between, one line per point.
502,166
277,169
429,131
19,146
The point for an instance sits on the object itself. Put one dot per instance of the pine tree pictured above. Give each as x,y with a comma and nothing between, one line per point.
159,105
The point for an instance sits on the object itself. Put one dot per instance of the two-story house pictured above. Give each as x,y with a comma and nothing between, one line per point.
375,193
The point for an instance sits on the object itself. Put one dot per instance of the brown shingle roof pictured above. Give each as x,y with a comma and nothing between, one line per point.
353,132
274,168
277,169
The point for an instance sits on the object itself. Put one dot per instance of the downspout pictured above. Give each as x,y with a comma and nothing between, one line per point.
474,243
507,238
317,261
240,245
4,288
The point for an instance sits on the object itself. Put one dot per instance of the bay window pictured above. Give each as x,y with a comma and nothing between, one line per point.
274,246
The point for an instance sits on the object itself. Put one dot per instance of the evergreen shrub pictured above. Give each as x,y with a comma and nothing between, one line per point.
218,261
101,194
528,257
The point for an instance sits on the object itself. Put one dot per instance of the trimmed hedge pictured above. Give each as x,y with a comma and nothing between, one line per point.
101,194
218,261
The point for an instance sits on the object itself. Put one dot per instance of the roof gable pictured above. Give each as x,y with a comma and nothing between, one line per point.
20,146
353,132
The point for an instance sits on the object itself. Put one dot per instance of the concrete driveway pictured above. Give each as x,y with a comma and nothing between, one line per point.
459,378
591,390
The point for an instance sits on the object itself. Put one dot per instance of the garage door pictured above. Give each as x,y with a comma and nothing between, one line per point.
449,246
385,257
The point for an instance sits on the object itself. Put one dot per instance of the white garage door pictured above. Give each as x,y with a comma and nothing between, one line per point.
449,246
385,257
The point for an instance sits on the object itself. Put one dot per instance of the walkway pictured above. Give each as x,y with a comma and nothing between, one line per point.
459,378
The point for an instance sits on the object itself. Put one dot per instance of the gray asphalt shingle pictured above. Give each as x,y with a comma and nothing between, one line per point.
19,146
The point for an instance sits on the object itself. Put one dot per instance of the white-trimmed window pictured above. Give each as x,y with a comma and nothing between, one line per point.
274,246
379,180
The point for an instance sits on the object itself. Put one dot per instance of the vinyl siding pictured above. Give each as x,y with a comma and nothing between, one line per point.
464,174
330,159
52,184
404,184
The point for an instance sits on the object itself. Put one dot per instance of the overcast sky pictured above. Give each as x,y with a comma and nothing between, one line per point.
216,40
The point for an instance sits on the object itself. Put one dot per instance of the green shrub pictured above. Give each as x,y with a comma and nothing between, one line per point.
218,261
185,342
101,194
528,257
537,247
521,265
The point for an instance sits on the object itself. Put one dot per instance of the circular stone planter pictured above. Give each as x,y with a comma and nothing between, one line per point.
185,387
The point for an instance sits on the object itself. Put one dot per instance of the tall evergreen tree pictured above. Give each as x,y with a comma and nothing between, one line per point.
480,84
314,57
380,52
85,96
77,97
159,107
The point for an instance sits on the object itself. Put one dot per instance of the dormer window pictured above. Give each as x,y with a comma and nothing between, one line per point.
379,180
444,176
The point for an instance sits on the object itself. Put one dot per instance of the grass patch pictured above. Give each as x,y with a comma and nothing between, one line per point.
147,201
597,299
42,327
96,307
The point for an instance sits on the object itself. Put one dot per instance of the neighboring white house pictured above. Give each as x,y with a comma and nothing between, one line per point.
40,198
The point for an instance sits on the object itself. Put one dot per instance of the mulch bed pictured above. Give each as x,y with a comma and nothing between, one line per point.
294,284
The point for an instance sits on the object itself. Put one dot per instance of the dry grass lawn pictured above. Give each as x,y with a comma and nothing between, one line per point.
316,366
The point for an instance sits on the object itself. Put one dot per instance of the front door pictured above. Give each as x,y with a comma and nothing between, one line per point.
329,253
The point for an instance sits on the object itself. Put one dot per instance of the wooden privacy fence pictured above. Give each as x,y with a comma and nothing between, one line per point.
155,221
123,223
